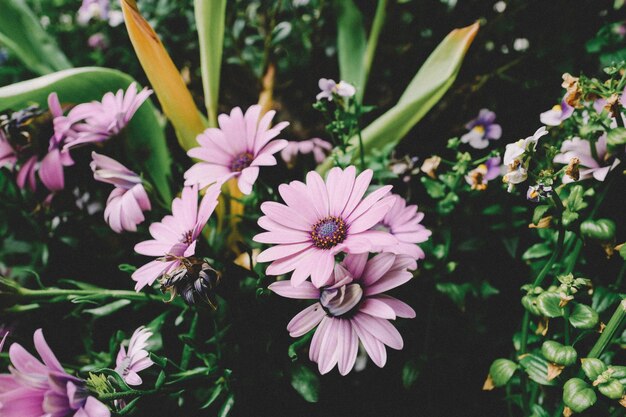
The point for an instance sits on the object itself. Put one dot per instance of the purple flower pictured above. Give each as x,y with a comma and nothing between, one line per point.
93,9
241,145
128,364
128,200
591,167
175,236
403,222
322,219
352,308
483,173
98,121
98,41
52,165
44,389
330,88
482,130
8,158
319,147
556,115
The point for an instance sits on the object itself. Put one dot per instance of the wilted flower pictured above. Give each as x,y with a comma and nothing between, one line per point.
556,115
573,169
319,147
483,173
574,92
482,130
99,120
241,145
195,280
352,308
136,359
128,200
590,167
430,165
320,220
44,389
175,236
330,88
404,223
404,167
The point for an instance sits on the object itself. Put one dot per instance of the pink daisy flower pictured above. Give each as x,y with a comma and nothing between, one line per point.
403,222
52,165
241,145
44,389
101,120
128,364
319,147
320,220
175,236
352,308
128,200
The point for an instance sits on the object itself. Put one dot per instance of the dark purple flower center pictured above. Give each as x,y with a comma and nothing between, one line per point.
328,232
341,301
187,237
241,162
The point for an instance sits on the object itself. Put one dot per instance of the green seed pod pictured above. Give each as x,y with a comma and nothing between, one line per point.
612,389
530,303
593,367
583,317
501,371
601,229
578,395
548,304
557,353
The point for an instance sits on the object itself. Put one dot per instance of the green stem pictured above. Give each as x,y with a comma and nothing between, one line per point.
125,394
609,331
372,43
96,293
186,355
566,330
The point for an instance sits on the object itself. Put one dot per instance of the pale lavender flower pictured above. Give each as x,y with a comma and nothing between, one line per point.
8,158
93,9
483,173
98,41
482,130
128,200
590,166
557,114
352,308
57,158
38,389
136,359
330,88
319,147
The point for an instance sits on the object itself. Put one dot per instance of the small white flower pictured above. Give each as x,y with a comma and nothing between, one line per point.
128,364
514,151
330,87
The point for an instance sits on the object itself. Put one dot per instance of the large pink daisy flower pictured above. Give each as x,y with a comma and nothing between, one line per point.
320,220
175,236
238,148
352,308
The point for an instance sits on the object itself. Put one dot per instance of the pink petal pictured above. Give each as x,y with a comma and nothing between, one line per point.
377,308
368,202
401,308
322,268
389,281
374,347
349,343
377,267
355,263
381,329
358,191
45,352
285,215
316,341
306,320
304,291
282,251
318,194
328,348
340,184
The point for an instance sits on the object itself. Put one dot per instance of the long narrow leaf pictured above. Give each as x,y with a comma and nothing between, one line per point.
147,140
21,32
427,87
351,42
210,15
175,98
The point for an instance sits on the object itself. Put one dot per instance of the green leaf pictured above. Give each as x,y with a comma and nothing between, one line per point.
538,411
306,383
410,373
548,304
537,369
578,395
612,389
593,367
434,188
210,16
557,353
456,292
616,138
227,406
501,371
536,251
583,317
601,229
107,309
160,380
146,142
539,212
214,394
351,43
21,32
430,83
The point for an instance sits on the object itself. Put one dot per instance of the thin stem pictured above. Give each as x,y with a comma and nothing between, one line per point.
611,328
96,293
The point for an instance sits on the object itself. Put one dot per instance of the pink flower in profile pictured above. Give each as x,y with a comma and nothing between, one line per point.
241,145
128,364
128,200
175,236
99,120
319,147
320,220
44,389
403,222
590,166
57,158
352,308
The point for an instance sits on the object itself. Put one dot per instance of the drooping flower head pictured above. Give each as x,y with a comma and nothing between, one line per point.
481,130
483,173
241,145
175,236
557,114
128,200
321,219
319,147
136,359
516,160
352,308
37,389
330,88
592,166
404,223
98,121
